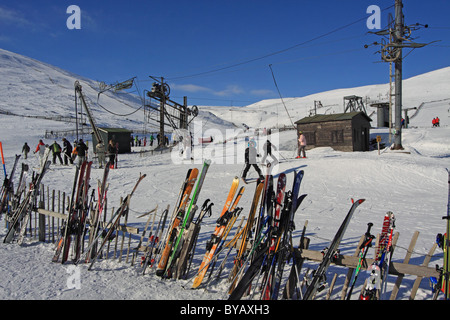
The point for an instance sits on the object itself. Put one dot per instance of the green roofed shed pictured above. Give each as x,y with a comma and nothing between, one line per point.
122,136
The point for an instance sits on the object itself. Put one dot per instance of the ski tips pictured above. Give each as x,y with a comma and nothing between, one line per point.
358,201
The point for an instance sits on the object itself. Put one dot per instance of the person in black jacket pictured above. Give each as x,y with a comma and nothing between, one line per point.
250,160
268,147
67,150
25,150
81,152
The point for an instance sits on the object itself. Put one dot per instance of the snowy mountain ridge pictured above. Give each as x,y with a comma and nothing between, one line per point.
31,87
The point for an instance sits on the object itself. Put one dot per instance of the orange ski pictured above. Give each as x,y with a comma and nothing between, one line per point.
189,185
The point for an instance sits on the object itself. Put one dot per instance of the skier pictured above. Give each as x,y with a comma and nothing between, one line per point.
67,151
100,148
41,149
437,122
81,152
111,153
25,150
268,146
151,140
301,145
56,150
250,160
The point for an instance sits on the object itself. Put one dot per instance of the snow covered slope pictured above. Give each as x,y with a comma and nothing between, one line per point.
412,184
33,88
427,91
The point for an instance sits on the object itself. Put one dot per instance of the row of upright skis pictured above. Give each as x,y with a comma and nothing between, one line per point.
265,264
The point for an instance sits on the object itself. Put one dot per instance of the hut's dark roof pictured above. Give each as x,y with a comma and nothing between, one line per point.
332,117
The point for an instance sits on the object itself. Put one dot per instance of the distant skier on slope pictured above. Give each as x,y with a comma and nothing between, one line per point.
268,147
40,149
25,150
301,145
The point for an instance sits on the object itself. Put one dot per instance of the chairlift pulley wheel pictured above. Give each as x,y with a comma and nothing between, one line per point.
194,111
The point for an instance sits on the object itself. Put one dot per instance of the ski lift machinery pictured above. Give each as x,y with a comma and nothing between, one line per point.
79,94
168,109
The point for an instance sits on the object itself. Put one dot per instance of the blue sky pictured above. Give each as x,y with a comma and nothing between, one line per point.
218,52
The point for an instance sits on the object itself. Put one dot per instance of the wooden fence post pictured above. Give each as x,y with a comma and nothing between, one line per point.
41,216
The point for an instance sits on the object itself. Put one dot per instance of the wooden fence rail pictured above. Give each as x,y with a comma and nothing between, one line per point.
398,269
48,220
52,210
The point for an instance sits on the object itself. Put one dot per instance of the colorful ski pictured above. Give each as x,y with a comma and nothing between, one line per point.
258,256
275,235
246,233
73,212
153,239
114,221
445,285
217,235
7,188
26,205
188,216
184,200
294,201
102,190
364,247
187,251
65,230
82,212
319,274
380,267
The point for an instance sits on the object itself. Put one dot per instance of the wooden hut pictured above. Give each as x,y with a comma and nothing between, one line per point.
341,131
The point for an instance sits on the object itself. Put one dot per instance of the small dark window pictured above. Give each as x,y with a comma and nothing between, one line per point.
337,136
310,137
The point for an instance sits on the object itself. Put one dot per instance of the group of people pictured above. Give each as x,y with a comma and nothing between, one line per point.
251,154
68,152
435,122
102,152
137,142
71,154
79,153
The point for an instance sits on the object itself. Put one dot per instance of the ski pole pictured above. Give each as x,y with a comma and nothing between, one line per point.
447,245
367,242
